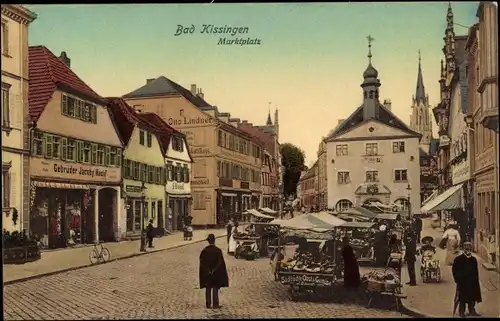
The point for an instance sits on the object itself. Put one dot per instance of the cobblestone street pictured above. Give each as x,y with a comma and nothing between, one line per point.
165,285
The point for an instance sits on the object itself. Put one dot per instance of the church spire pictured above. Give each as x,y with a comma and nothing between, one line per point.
370,87
269,121
420,91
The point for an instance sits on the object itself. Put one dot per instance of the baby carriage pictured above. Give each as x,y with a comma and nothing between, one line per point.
430,269
247,250
188,233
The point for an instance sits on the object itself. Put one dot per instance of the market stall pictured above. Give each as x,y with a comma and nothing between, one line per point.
268,211
360,238
251,243
381,284
313,268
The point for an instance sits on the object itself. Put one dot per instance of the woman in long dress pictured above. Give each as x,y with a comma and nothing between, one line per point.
232,242
452,236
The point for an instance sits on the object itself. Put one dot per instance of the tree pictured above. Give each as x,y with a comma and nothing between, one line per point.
293,161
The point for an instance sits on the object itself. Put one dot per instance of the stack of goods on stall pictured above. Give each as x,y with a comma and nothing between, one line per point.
382,281
244,235
305,262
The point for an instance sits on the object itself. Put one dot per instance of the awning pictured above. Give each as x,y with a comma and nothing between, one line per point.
258,214
267,210
179,195
449,199
431,197
229,194
60,185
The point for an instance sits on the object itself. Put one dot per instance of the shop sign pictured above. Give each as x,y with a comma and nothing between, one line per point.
178,186
183,120
460,172
205,181
306,279
199,151
245,185
133,189
73,171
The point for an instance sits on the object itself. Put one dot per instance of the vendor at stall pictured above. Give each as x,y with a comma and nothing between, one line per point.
352,278
381,248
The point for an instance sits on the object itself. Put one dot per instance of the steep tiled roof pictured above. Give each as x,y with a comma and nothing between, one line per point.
310,172
162,86
266,138
385,116
126,118
48,73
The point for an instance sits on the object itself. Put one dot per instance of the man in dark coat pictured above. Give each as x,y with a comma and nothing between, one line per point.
466,276
213,273
352,278
150,233
410,257
417,227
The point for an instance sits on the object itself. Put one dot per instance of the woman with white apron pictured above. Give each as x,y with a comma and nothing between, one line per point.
452,237
232,243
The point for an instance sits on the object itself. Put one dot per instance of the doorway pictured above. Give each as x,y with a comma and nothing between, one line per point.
107,210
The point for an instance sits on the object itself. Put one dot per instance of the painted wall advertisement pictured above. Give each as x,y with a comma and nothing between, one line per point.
73,171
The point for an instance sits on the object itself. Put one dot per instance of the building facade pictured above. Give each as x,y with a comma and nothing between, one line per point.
389,151
484,165
322,178
269,183
178,183
76,155
429,172
144,171
455,201
308,188
15,121
227,162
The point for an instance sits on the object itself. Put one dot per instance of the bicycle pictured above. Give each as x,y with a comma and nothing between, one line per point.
99,254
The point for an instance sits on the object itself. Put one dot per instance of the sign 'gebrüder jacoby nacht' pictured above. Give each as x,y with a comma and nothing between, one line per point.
74,171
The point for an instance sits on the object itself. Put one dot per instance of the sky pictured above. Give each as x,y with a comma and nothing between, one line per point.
309,62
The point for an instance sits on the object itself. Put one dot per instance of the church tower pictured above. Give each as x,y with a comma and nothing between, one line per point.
420,119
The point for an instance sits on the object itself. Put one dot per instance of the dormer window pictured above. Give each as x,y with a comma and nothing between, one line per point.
177,144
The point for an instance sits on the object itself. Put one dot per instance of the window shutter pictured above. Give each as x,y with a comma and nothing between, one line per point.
47,143
64,106
79,155
7,190
118,157
93,157
64,147
187,175
107,156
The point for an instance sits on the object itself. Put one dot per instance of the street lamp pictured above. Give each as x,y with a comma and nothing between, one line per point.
409,202
143,198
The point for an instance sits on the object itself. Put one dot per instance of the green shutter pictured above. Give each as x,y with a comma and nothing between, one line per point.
64,105
47,146
79,154
64,147
93,158
107,158
118,157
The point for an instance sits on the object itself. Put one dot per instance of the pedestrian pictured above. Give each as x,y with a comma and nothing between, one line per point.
466,277
352,277
417,226
229,228
451,238
410,257
150,233
213,273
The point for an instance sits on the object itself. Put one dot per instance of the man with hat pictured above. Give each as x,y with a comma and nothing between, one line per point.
213,273
150,234
410,257
466,276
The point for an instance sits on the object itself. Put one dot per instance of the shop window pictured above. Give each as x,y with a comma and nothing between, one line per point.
6,186
149,139
137,215
400,175
160,208
146,212
199,200
153,209
130,215
101,150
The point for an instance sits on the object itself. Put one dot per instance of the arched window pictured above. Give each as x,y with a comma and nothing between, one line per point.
343,205
402,203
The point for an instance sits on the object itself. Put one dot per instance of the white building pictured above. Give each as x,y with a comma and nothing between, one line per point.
15,141
372,155
178,161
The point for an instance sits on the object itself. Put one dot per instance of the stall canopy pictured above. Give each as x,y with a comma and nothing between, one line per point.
365,212
276,221
313,226
361,225
449,199
258,214
267,210
387,216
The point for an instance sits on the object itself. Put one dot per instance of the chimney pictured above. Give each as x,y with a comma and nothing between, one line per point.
64,58
193,89
340,121
200,93
387,104
149,80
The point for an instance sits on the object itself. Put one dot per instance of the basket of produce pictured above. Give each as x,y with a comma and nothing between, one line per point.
374,286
